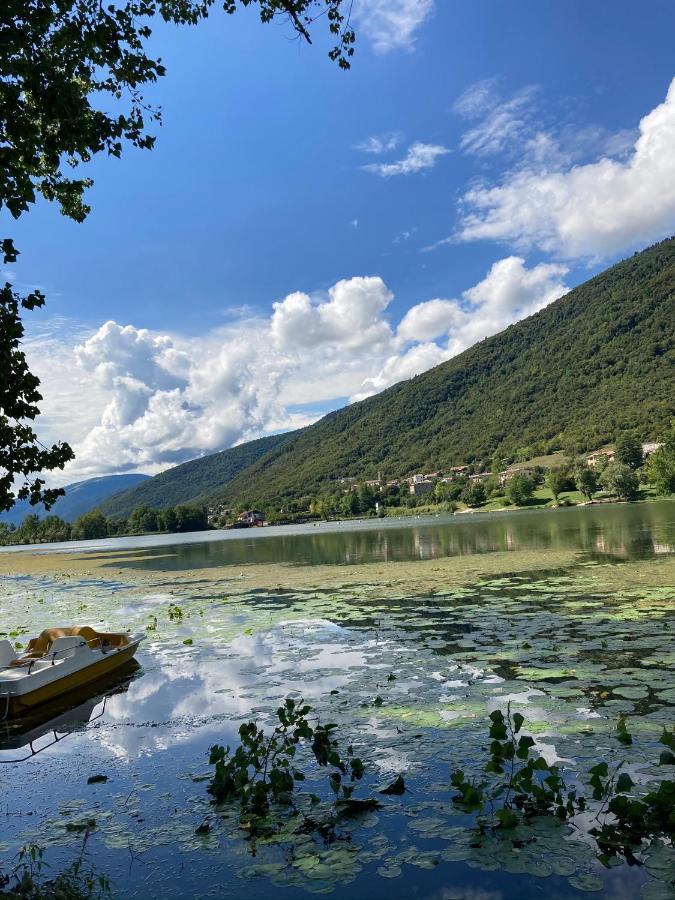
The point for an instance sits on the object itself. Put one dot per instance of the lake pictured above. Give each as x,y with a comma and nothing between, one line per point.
409,678
617,530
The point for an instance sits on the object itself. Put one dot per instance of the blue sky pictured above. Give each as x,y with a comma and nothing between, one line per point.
261,186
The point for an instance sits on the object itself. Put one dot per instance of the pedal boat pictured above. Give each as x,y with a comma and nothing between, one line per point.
57,662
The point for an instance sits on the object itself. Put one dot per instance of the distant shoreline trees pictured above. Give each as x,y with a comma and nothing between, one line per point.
93,525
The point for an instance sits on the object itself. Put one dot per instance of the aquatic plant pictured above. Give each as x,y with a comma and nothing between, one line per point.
262,769
29,880
523,786
528,785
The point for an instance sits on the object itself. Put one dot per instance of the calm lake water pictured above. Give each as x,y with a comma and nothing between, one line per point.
620,531
410,680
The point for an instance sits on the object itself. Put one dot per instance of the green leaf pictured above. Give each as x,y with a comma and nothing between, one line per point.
396,788
624,783
507,818
518,722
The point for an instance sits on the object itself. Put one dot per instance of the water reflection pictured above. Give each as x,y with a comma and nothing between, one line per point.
616,531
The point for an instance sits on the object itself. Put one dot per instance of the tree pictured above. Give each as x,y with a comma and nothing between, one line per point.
90,526
473,494
585,480
191,518
519,489
350,504
22,456
142,520
366,497
628,451
557,481
620,480
168,521
72,74
441,491
661,465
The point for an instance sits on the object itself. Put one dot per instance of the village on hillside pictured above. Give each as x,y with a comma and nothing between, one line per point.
461,488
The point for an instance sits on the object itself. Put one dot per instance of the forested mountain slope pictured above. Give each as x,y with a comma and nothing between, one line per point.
184,482
598,360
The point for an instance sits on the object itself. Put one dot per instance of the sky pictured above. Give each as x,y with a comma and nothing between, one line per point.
301,238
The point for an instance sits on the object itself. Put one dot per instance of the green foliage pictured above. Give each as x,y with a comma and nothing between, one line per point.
473,494
661,465
73,72
612,370
524,786
28,880
519,489
559,480
628,451
262,769
22,456
90,526
585,479
184,483
667,757
620,480
521,786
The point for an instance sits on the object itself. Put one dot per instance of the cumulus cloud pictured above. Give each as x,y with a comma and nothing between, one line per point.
351,316
145,400
590,210
419,156
391,24
509,292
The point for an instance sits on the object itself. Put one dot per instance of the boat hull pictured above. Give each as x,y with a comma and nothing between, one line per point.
19,704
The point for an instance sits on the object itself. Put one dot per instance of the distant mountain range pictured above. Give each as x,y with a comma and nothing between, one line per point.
596,362
80,497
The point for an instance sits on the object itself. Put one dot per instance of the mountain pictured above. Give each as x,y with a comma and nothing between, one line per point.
183,483
597,361
81,496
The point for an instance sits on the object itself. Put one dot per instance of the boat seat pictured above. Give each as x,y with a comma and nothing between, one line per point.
7,653
61,646
42,645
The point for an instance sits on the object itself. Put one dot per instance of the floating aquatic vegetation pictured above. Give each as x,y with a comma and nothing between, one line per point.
456,656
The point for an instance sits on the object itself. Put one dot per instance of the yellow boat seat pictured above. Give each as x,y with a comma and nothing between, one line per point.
40,646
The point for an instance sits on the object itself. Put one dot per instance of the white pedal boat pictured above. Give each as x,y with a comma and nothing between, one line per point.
58,661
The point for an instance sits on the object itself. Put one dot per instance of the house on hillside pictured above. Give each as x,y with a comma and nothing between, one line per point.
480,476
606,453
651,447
458,470
252,517
417,488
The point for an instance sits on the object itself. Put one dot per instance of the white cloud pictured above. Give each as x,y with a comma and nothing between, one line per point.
509,292
350,317
391,24
141,401
380,143
428,320
500,124
419,156
588,211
